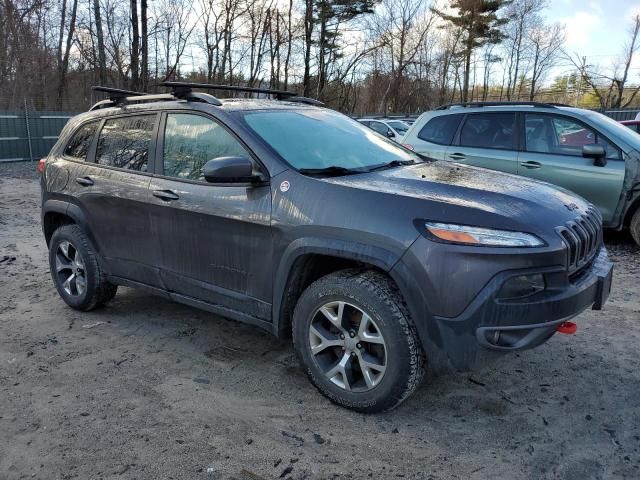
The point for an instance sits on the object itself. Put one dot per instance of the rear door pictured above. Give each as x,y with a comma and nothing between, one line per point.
488,140
112,189
553,153
215,238
435,136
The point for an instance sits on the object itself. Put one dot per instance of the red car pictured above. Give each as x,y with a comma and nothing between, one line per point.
632,124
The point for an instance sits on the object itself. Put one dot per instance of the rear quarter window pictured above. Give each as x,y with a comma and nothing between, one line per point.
80,143
440,130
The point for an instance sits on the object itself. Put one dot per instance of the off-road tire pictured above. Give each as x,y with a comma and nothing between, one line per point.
634,226
378,296
98,290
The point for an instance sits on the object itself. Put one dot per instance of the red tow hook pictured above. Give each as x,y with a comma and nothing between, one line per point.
568,328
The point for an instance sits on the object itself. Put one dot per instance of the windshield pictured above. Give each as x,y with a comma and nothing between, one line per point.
318,139
616,128
399,126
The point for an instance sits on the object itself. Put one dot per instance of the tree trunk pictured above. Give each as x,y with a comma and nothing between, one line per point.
64,64
102,62
135,45
145,45
308,32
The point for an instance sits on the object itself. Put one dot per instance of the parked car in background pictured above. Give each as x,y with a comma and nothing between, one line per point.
634,125
299,220
393,129
580,150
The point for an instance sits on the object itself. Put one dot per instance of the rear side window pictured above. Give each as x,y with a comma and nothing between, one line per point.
489,130
124,142
379,127
440,129
78,146
190,141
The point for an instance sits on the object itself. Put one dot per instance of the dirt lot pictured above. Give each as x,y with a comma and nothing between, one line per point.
149,389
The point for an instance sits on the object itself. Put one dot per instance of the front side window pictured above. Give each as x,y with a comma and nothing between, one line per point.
440,130
562,136
78,146
489,130
190,141
319,138
399,126
124,142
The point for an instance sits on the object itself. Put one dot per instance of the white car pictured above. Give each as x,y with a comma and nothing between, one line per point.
393,129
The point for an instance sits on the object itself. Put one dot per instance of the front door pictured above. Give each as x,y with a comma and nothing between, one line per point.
215,238
553,153
487,140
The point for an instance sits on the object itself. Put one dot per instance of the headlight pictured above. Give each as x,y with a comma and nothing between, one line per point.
482,236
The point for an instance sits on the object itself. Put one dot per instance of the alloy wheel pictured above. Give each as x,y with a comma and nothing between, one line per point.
347,346
70,270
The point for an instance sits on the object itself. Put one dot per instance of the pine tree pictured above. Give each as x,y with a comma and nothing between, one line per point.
479,24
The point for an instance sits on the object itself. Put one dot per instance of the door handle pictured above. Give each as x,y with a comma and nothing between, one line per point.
84,181
166,195
531,165
457,156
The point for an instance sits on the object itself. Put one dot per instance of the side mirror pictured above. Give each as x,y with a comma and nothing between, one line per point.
229,170
390,134
596,152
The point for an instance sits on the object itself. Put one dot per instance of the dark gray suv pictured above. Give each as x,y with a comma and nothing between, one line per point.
294,218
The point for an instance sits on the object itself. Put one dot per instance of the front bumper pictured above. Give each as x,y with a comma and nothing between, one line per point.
508,325
489,325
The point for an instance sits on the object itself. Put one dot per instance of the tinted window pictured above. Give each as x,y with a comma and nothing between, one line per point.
400,127
190,141
440,130
489,130
322,138
562,136
379,127
78,146
124,142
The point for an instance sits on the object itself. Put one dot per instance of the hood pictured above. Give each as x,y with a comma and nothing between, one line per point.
493,195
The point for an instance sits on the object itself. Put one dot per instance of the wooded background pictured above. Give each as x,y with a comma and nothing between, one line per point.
358,56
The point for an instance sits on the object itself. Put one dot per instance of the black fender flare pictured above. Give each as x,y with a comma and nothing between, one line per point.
376,256
71,210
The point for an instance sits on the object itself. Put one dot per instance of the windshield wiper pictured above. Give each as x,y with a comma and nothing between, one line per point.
392,163
333,171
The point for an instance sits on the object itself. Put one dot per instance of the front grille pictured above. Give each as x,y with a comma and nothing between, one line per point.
582,237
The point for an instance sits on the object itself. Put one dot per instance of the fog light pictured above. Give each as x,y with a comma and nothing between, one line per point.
522,286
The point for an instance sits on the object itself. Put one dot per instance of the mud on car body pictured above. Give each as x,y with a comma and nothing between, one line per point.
301,221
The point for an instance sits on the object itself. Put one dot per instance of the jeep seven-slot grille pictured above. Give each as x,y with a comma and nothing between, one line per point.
582,237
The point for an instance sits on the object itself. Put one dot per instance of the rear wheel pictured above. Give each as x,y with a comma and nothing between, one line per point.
634,226
76,271
353,334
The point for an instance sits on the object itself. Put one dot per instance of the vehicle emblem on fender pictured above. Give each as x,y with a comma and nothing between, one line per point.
284,186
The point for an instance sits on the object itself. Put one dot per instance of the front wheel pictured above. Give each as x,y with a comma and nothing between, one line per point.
354,336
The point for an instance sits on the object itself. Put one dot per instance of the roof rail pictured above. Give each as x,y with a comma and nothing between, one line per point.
184,88
498,104
119,97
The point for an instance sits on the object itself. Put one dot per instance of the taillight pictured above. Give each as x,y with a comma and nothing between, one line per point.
41,163
407,146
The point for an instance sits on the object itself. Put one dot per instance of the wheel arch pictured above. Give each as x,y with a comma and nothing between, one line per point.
56,213
307,260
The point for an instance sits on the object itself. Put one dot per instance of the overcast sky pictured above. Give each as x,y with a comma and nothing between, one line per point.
596,29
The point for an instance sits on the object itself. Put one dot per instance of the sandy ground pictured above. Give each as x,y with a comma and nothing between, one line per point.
149,389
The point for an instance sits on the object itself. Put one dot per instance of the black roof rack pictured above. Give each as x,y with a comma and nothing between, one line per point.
499,104
184,91
183,88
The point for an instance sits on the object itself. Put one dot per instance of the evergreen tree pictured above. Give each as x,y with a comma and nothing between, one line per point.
479,24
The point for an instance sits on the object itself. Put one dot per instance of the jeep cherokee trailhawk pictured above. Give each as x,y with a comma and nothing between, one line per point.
295,218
